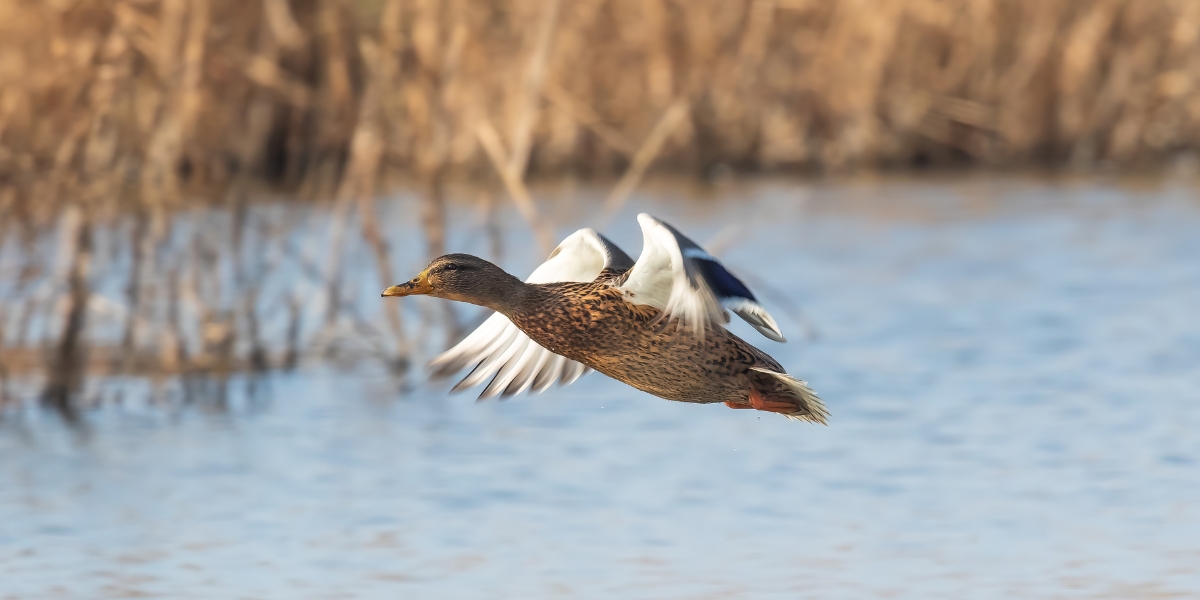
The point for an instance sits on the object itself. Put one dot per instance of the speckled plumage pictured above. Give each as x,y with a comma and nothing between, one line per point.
552,331
593,324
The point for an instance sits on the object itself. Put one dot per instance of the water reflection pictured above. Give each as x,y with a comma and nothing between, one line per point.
1014,404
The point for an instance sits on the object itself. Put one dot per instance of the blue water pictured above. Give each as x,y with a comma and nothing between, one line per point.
1011,365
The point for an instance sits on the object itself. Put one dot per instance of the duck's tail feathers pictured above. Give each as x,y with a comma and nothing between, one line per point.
809,406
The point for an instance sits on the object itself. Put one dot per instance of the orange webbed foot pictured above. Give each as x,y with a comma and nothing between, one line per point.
759,402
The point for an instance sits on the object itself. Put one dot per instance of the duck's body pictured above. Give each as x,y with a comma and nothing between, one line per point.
593,324
656,324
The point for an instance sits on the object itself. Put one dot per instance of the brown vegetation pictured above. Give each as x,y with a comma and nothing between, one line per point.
168,92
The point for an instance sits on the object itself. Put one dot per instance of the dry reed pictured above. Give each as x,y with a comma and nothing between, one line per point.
163,93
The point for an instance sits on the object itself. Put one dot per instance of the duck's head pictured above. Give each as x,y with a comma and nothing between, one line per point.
459,277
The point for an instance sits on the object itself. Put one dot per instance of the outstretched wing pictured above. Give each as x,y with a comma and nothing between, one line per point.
501,351
676,276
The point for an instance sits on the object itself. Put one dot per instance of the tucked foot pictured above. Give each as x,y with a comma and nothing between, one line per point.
759,402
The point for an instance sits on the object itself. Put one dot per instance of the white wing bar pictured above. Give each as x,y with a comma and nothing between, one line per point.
676,276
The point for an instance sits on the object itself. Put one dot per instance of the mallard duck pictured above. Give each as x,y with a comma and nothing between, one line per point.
656,324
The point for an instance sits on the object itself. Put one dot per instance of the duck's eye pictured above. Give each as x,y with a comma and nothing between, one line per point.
450,267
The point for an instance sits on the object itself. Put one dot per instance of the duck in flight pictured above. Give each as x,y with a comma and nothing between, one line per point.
656,324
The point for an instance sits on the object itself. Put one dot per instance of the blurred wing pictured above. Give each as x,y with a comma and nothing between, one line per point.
581,257
501,351
676,276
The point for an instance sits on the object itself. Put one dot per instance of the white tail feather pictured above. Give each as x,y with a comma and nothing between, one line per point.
812,409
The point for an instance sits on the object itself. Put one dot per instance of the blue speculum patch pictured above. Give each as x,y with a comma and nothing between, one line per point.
723,282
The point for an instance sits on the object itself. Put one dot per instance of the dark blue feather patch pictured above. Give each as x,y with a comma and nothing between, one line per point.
722,282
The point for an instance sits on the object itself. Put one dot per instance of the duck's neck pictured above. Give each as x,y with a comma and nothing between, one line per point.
508,295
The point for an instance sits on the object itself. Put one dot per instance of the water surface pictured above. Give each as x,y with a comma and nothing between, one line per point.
1012,371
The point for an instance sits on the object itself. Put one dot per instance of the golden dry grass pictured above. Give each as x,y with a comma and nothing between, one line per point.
156,94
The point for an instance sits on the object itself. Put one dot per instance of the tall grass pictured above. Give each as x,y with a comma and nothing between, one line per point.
164,93
113,112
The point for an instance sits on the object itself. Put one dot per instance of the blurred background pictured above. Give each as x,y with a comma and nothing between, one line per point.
977,222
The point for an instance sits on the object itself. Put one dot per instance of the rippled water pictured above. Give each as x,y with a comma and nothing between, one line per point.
1012,368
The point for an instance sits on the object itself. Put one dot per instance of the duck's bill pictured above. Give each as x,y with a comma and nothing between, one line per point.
417,286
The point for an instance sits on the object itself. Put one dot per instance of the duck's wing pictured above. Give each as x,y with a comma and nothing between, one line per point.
501,351
675,275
